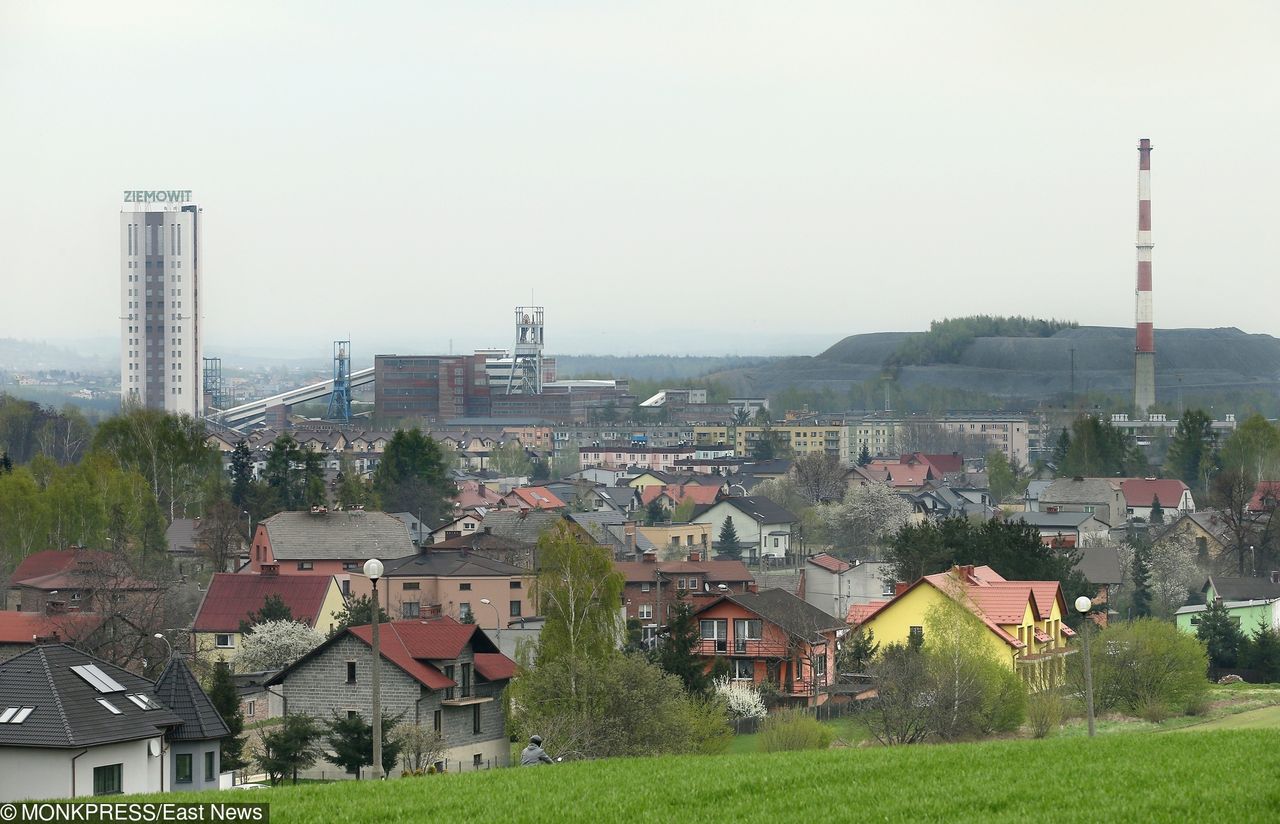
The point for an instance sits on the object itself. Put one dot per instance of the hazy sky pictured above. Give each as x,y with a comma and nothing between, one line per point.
664,177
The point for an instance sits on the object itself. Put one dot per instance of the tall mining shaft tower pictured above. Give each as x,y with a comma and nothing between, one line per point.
1144,350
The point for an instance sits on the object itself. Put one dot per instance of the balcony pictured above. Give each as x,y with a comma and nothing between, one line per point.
745,647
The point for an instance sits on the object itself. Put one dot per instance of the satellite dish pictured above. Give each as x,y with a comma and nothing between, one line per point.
153,746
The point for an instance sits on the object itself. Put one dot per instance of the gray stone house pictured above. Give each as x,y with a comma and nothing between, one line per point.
437,673
1100,497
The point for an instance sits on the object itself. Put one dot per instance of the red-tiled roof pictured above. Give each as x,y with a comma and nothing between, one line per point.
48,561
495,666
21,627
712,571
860,612
1141,491
945,463
1268,491
945,582
1004,603
537,497
830,563
232,597
1043,637
1067,631
391,645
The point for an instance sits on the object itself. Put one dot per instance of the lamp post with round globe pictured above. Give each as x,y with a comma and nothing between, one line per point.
373,569
1083,605
497,620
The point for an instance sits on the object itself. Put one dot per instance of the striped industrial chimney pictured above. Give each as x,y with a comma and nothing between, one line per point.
1144,367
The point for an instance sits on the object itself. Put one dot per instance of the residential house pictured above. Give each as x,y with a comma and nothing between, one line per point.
464,585
1139,493
678,539
598,475
1061,529
466,524
773,636
20,631
257,703
764,528
1031,496
232,598
670,496
531,497
654,587
195,759
615,531
327,543
472,493
417,530
909,472
1206,528
1253,603
1023,619
1101,497
1265,498
1100,565
79,580
833,585
436,673
632,454
73,725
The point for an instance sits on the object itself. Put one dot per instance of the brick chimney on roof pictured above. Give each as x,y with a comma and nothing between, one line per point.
695,556
899,587
649,557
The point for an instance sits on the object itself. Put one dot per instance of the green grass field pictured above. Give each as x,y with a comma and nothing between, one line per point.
1148,778
1267,718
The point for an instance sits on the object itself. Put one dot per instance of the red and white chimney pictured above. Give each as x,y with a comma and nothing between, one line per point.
1144,367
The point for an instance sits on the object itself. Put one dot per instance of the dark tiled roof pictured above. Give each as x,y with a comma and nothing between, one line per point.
1100,565
785,610
178,689
1245,589
181,535
757,507
713,572
525,527
234,596
67,712
337,536
450,562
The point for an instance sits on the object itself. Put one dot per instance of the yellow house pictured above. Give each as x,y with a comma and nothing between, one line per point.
1023,618
679,538
802,438
647,478
233,597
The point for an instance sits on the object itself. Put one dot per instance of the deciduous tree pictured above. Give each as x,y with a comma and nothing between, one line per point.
275,644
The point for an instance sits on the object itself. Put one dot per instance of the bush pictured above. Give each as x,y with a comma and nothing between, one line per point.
1147,668
1044,712
794,730
741,698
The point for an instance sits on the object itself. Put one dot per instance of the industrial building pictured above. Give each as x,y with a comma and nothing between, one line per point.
160,360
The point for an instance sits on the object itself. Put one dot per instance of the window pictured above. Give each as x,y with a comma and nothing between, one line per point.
515,609
916,636
410,609
223,640
182,771
412,585
475,719
746,629
210,771
351,672
143,702
109,706
516,585
464,587
646,610
715,630
464,612
249,707
775,543
448,673
350,566
466,680
15,715
305,565
693,583
108,780
435,721
644,587
744,669
820,667
680,584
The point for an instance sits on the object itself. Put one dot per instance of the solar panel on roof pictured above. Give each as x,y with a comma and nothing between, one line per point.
97,679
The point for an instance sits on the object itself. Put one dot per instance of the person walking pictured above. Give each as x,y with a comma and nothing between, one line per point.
533,755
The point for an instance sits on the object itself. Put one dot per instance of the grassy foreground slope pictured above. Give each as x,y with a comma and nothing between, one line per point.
1227,775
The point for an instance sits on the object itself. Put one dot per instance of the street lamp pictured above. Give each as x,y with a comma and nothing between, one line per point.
497,621
373,569
1083,605
160,635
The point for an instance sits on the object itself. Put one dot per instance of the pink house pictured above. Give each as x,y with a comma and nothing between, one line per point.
327,543
625,455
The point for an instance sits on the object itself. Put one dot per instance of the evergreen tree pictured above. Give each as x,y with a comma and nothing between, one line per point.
6,465
1157,511
273,609
1261,653
858,651
678,651
292,746
351,740
1221,635
283,479
1141,598
1061,449
313,486
412,477
728,542
241,474
1191,449
655,513
864,456
222,692
357,613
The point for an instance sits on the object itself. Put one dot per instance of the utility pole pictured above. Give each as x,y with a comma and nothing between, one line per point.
1073,377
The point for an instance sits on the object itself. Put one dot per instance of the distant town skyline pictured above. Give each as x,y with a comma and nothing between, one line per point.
706,178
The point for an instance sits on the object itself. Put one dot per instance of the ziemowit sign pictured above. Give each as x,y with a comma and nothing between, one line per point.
157,195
